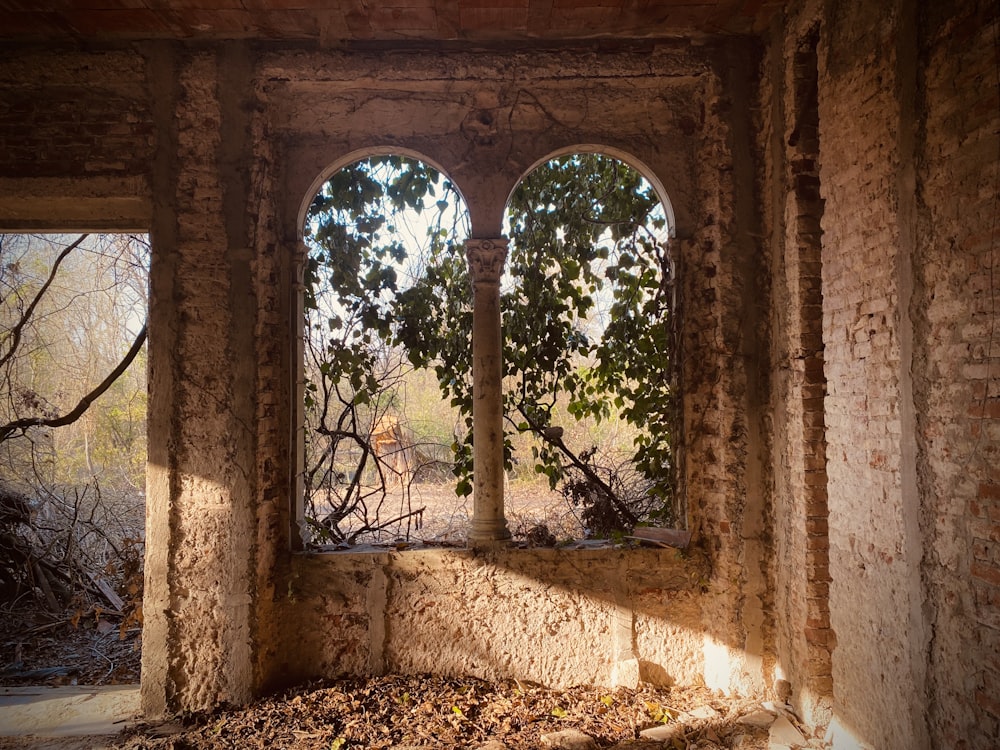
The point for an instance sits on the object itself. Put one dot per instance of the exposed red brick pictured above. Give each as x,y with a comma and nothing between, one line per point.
984,572
988,491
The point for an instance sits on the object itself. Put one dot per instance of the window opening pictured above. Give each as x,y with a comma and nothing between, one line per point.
73,442
590,352
382,235
590,386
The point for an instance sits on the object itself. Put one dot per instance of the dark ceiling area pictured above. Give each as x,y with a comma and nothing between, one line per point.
346,21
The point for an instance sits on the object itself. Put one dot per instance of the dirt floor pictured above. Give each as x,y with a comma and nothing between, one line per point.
392,711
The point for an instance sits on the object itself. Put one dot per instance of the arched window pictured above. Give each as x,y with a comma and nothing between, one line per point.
590,352
373,438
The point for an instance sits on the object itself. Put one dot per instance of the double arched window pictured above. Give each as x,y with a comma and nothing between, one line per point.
411,396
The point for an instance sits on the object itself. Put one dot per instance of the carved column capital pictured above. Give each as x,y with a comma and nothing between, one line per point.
486,258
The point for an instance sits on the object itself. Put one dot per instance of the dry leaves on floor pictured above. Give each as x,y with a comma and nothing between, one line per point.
421,711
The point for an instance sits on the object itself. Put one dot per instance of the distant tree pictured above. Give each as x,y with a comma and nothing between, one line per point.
25,342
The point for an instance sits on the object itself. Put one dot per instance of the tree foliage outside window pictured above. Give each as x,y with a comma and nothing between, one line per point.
373,230
587,301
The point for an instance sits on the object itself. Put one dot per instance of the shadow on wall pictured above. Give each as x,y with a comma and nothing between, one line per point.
559,617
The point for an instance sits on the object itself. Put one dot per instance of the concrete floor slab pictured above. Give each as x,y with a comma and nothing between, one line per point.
67,711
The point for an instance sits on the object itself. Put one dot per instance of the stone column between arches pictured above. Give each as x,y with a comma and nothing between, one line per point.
486,258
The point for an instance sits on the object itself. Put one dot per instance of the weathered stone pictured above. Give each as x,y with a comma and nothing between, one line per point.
701,713
759,718
663,732
625,674
783,690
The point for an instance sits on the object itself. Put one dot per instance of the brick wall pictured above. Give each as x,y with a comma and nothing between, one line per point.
76,140
874,546
48,129
798,514
908,121
957,363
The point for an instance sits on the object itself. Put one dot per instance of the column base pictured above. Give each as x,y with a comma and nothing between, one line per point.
488,533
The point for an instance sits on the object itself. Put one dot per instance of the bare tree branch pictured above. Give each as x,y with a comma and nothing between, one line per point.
23,424
15,333
553,436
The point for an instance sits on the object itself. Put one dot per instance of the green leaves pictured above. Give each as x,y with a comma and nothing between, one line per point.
586,302
588,317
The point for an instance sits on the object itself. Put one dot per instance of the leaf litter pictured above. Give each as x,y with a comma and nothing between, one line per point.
416,711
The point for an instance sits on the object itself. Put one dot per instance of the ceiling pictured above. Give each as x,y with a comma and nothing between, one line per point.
345,21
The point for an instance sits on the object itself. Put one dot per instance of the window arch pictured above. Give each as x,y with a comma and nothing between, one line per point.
374,225
625,158
591,346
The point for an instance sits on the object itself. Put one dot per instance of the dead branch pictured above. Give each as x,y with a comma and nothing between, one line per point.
23,424
43,583
18,328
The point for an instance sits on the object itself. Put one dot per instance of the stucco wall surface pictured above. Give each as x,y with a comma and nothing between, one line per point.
557,617
214,148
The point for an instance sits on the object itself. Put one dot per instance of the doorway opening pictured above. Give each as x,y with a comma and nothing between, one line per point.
72,456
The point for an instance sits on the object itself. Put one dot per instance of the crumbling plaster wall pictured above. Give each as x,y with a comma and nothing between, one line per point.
161,137
908,150
567,617
214,149
680,111
211,528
